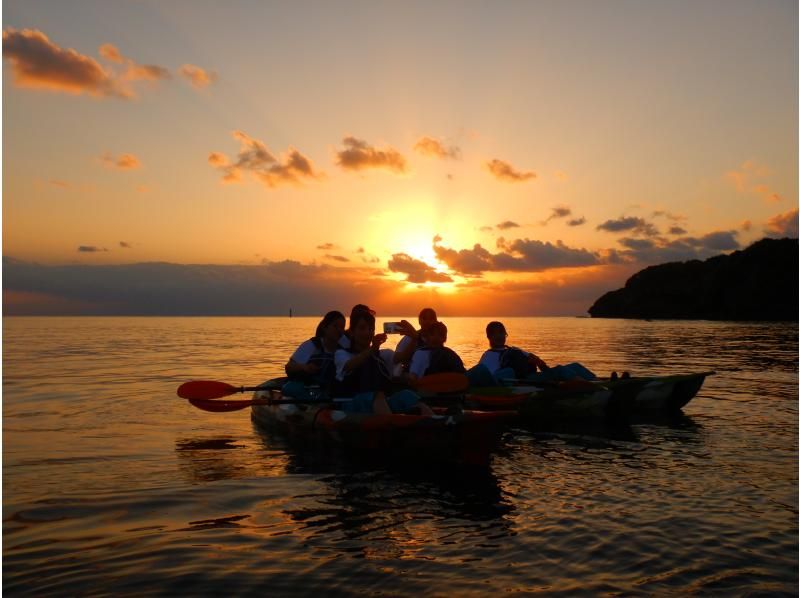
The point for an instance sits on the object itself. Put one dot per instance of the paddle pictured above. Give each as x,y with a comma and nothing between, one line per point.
236,404
211,389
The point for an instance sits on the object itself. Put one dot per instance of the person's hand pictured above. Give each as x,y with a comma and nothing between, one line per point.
407,329
538,362
311,368
378,340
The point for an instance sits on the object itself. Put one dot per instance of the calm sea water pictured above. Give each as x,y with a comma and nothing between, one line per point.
112,484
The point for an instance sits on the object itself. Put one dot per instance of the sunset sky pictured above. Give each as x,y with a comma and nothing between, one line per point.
503,158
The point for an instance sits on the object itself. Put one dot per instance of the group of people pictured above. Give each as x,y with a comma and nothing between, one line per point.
352,362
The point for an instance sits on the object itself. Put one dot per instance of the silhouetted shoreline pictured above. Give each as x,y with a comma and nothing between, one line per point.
759,283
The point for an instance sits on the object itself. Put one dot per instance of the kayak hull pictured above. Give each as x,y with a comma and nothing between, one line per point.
464,437
596,400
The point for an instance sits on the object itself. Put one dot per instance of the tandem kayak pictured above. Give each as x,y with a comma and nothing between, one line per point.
466,437
594,400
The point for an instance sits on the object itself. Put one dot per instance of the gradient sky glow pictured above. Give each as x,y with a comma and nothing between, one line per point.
607,136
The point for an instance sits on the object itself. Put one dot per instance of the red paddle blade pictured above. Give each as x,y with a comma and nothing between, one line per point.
222,406
446,382
205,389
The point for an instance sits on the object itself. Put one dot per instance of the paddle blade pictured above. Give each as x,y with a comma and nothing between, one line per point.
223,406
443,383
205,389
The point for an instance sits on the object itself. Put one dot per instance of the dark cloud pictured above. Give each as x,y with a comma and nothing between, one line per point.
676,230
659,250
521,255
38,63
198,77
721,240
629,223
90,249
416,270
429,146
327,246
254,157
337,258
359,155
360,250
503,171
125,245
783,225
558,212
576,221
670,216
506,224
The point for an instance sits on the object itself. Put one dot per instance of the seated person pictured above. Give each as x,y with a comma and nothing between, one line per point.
386,354
413,339
313,361
434,357
362,374
502,362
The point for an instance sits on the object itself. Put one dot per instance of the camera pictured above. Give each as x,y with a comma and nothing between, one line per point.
392,328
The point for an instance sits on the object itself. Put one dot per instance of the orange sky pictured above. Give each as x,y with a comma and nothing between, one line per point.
510,159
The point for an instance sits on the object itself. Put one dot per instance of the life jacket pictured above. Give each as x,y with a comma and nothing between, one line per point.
445,360
324,360
514,358
371,376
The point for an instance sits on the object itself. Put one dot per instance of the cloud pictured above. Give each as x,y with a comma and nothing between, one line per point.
359,155
746,225
484,229
327,246
557,212
336,258
722,240
576,221
90,249
110,52
748,179
198,77
676,230
429,146
38,63
783,225
59,183
670,216
145,72
658,250
521,255
125,245
123,162
254,157
274,287
506,224
416,270
630,223
503,171
360,250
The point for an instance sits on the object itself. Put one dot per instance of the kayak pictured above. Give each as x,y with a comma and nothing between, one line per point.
661,393
466,437
598,399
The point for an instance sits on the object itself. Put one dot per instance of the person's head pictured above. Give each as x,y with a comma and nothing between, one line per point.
427,317
357,309
331,327
362,329
436,335
496,333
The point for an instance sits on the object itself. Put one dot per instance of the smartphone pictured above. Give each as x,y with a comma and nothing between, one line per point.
392,328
